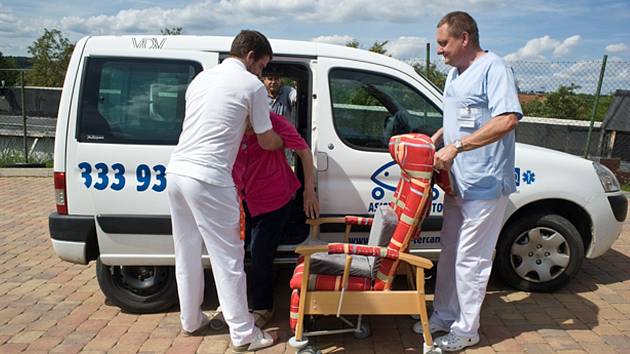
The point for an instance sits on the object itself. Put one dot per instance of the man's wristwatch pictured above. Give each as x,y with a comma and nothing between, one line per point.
458,145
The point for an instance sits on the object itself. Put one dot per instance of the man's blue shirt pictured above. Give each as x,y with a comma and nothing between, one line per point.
484,90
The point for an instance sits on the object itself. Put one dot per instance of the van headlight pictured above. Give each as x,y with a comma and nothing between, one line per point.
607,178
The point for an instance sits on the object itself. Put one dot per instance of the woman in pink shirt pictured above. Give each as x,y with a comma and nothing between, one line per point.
268,186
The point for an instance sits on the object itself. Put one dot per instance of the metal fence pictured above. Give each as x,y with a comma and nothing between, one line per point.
27,120
559,100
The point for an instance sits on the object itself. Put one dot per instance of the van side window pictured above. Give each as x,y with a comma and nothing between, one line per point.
133,100
368,108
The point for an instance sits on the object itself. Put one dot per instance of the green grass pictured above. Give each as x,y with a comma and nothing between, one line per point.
12,157
625,187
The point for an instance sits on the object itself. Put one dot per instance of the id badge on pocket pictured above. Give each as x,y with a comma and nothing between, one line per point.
465,118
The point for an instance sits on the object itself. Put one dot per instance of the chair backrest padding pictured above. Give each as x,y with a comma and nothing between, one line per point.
414,154
383,226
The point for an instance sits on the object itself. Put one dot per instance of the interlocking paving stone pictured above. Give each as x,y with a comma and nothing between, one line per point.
48,305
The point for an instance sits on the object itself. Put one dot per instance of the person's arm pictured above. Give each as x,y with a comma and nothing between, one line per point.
438,136
495,129
311,204
269,140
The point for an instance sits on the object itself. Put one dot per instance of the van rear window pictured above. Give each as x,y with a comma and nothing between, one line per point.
134,100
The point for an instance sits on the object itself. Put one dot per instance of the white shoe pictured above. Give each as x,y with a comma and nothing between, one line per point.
260,339
435,325
452,342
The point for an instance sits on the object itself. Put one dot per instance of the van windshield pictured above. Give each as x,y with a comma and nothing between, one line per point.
134,100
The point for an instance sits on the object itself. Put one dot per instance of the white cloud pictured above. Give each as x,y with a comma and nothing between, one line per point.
210,14
334,39
535,49
617,48
407,47
566,46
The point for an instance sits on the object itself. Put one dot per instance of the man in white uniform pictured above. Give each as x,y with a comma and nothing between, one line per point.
220,104
481,110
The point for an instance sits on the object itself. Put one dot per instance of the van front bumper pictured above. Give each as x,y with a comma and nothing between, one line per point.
73,237
606,214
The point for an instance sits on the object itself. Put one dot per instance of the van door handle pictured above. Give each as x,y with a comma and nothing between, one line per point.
322,161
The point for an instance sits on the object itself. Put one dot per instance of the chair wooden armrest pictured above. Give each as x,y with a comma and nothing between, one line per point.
347,220
310,249
415,260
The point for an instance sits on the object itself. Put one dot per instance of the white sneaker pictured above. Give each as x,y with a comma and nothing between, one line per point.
435,325
260,340
452,342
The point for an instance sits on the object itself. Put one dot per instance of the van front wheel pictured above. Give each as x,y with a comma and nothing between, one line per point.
539,252
138,289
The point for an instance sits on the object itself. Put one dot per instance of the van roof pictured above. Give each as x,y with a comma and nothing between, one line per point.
220,44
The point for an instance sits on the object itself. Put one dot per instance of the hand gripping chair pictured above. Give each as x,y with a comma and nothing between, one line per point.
360,283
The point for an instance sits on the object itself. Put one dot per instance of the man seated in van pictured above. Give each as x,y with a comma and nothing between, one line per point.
268,188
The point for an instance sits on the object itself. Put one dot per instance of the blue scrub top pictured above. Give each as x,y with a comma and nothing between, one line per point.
484,90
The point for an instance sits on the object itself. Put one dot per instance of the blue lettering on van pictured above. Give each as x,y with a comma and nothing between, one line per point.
358,240
426,240
374,205
114,176
517,176
378,193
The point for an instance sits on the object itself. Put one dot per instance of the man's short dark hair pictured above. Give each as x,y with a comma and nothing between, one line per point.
247,41
459,22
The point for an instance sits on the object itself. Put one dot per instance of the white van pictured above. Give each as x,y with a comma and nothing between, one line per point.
121,114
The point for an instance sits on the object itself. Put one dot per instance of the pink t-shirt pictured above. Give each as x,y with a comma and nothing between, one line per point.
264,178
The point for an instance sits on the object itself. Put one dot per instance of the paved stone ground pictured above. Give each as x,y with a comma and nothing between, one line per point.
47,305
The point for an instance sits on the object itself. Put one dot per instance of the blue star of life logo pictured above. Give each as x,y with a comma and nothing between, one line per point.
529,177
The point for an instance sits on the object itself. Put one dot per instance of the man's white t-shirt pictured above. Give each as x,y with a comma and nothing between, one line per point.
219,102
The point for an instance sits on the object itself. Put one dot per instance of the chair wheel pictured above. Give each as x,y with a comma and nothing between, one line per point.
363,332
298,345
430,349
309,350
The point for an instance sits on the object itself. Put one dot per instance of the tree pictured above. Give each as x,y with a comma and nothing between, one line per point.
353,44
437,77
171,31
8,78
379,47
562,103
51,54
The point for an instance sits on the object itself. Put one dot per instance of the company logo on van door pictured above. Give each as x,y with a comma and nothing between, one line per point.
383,178
148,43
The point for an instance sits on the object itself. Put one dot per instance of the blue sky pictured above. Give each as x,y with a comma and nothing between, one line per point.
518,30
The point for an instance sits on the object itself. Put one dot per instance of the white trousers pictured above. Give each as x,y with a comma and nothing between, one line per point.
469,235
205,214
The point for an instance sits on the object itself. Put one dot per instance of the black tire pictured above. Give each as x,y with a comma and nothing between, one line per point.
539,252
364,331
146,289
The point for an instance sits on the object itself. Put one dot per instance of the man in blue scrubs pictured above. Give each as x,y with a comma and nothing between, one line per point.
481,110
